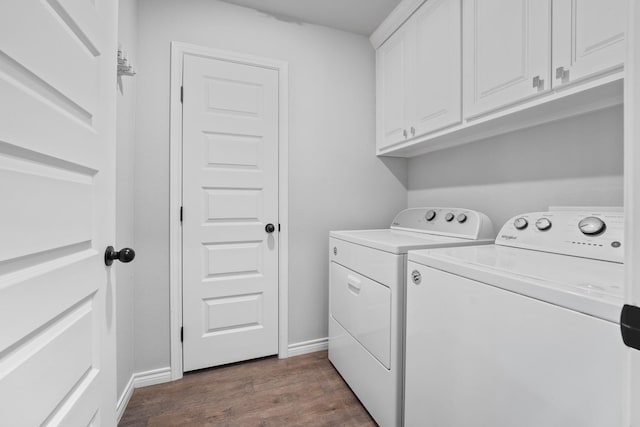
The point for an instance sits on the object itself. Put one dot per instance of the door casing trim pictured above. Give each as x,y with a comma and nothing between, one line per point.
178,50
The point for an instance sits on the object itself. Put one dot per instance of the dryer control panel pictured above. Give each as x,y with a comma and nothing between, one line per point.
451,222
587,234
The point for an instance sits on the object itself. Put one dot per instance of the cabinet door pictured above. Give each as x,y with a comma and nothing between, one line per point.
588,38
507,52
392,87
435,67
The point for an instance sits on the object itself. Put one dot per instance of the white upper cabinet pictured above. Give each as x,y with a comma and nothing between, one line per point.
435,67
507,52
588,38
391,81
455,71
419,75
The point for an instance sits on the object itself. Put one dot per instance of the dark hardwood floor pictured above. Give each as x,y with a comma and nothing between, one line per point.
299,391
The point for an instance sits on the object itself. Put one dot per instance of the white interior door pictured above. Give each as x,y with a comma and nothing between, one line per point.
507,44
230,195
57,142
632,190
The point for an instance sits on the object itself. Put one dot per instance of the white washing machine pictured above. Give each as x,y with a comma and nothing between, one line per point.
521,333
366,298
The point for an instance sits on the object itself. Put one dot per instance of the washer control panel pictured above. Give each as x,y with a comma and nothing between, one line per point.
453,222
588,234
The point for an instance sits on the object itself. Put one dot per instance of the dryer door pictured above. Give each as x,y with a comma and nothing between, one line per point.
363,307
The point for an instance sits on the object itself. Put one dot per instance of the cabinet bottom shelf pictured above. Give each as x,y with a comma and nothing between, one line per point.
556,105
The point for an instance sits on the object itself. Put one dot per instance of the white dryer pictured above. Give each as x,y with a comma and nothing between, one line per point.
521,333
367,298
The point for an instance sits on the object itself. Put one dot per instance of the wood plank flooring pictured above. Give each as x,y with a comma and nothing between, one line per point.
300,391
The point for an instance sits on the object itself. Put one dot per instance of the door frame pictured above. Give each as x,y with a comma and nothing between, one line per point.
632,193
178,51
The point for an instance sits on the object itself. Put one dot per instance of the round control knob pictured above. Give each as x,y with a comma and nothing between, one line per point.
592,226
543,224
430,215
520,223
449,217
462,218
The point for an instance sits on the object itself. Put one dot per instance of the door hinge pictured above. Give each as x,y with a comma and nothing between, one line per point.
278,228
180,213
181,333
630,326
181,94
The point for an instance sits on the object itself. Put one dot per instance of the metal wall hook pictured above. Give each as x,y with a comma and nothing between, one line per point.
124,68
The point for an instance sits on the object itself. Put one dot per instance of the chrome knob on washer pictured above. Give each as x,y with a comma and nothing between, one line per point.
462,218
520,223
543,224
592,226
430,215
449,217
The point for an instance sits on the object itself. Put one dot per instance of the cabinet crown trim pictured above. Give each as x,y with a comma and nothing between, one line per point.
396,18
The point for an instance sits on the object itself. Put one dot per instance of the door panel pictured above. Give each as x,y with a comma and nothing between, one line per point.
506,45
436,76
57,139
363,308
588,38
392,109
230,192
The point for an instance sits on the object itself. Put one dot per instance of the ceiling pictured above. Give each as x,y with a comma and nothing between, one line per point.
356,16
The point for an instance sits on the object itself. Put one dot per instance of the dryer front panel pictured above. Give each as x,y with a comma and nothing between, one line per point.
363,308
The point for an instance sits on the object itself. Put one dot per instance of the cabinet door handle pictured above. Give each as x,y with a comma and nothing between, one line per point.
562,73
538,83
413,131
404,132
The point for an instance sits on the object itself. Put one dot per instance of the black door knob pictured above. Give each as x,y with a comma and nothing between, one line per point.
270,228
123,255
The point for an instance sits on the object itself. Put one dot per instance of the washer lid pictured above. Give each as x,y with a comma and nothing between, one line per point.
589,286
399,242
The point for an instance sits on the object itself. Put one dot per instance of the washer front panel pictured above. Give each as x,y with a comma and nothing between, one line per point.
506,359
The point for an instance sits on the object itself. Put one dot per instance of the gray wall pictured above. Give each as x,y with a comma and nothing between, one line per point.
126,103
577,161
336,182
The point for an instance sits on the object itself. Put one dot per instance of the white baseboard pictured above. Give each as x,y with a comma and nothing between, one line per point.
152,377
124,398
304,347
141,379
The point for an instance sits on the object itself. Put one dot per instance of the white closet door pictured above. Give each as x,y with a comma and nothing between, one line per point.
588,38
230,194
507,52
57,192
436,71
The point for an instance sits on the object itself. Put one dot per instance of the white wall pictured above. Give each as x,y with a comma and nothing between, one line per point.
126,103
577,161
336,182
